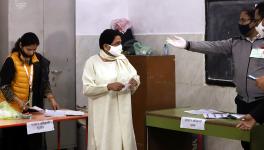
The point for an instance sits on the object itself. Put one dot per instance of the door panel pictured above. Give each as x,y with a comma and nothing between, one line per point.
59,48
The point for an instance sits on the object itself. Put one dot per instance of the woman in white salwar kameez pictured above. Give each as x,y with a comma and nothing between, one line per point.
108,82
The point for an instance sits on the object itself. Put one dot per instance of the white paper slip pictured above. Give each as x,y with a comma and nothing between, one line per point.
127,86
192,123
40,126
36,108
257,53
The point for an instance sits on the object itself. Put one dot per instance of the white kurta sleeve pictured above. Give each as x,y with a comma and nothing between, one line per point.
90,88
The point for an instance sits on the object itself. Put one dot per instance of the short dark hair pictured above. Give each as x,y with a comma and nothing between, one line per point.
26,39
260,7
249,12
107,37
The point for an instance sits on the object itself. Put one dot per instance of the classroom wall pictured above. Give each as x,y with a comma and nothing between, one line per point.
151,25
3,30
3,40
94,16
166,17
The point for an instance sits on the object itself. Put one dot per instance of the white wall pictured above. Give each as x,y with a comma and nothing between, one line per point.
93,16
167,17
147,16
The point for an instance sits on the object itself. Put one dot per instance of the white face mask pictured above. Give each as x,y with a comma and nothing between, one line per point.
116,50
260,29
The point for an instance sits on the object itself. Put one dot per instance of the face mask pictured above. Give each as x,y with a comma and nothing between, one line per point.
260,29
25,55
244,29
116,50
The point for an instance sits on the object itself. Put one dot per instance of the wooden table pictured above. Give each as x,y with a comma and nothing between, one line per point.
40,117
226,128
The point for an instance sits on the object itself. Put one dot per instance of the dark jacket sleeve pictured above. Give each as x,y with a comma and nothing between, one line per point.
7,72
45,76
41,80
6,76
211,47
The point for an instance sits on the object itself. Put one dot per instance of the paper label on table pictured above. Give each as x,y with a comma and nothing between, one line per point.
192,123
40,126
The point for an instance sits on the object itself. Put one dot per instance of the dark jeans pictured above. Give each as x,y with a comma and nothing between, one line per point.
16,138
245,108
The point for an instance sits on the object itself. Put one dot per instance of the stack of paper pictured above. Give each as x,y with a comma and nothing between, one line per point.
202,111
63,113
53,113
71,112
236,116
223,116
215,116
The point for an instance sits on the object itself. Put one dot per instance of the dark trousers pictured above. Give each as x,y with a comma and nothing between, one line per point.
16,138
245,108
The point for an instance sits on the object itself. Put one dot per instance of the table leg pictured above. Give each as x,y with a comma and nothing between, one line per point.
58,136
86,134
163,139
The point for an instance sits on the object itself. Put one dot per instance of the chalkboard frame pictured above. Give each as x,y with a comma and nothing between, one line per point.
209,58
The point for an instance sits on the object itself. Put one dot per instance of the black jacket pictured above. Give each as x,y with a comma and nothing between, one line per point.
40,80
